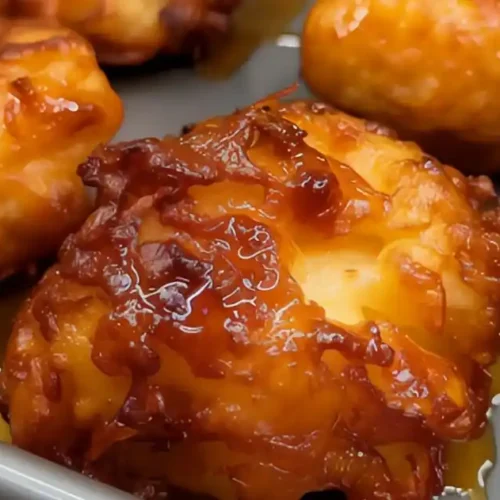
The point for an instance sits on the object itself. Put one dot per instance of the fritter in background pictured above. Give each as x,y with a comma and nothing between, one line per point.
133,31
430,69
56,107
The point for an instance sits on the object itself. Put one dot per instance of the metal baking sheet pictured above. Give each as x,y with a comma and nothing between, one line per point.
160,101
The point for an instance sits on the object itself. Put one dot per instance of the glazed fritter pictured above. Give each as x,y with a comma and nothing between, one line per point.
282,300
430,69
133,31
56,107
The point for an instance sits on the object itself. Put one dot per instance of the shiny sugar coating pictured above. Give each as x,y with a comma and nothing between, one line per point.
283,300
133,31
56,107
429,68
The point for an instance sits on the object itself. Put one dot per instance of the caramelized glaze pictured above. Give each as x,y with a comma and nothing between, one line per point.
286,296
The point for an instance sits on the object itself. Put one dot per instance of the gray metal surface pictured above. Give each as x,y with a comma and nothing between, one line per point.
161,103
25,477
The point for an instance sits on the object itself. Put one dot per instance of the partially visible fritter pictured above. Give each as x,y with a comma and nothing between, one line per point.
283,300
133,31
56,106
429,68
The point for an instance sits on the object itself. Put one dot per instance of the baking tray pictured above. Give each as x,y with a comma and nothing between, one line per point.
160,98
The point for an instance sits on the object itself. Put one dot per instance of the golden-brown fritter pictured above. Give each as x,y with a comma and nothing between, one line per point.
429,68
132,31
282,300
56,107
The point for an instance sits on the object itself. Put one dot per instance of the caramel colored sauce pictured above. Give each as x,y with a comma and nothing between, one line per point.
254,22
465,459
495,374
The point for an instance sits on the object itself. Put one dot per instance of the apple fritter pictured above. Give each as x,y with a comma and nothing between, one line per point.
282,300
56,107
430,69
133,31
